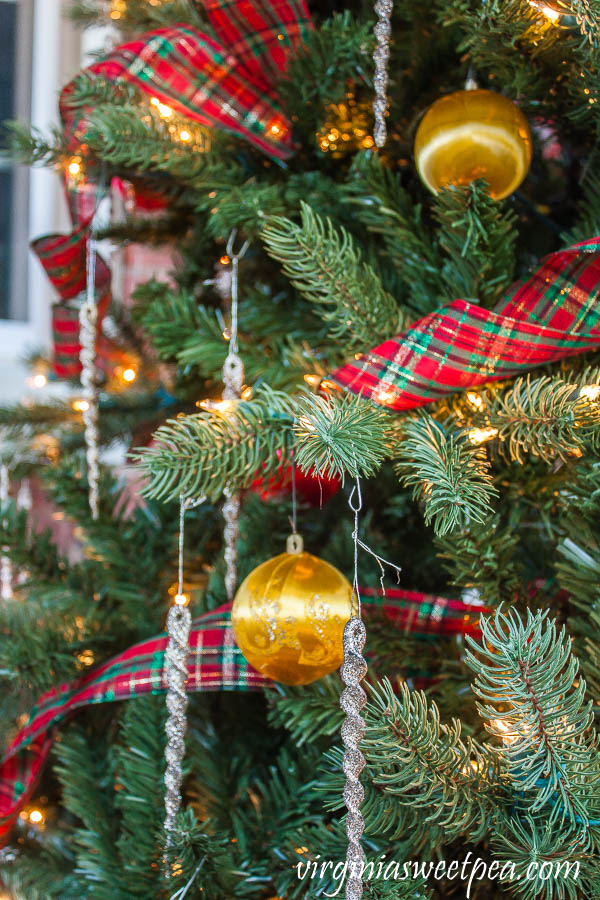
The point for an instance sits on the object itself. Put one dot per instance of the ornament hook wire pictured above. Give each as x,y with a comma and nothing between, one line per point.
381,562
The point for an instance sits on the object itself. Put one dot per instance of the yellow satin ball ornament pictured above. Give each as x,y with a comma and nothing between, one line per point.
473,134
289,615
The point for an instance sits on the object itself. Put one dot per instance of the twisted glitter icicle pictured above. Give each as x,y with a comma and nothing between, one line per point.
179,623
352,701
233,380
231,514
381,55
88,319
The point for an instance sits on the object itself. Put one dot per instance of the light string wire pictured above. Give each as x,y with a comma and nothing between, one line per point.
88,320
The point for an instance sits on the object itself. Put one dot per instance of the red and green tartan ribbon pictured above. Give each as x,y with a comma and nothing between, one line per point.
228,85
553,314
63,257
214,664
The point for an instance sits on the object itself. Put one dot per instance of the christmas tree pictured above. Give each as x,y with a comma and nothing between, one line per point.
379,331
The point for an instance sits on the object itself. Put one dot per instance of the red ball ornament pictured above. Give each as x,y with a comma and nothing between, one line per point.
310,487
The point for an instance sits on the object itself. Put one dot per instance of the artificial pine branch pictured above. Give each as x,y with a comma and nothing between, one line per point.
335,52
420,762
309,712
547,417
139,769
273,350
566,868
340,435
41,870
382,205
29,147
323,263
84,774
137,16
484,559
534,702
446,473
132,137
207,452
203,454
478,236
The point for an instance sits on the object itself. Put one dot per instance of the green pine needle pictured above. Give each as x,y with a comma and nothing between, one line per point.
448,475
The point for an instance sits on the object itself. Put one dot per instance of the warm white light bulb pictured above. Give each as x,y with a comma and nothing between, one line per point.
39,380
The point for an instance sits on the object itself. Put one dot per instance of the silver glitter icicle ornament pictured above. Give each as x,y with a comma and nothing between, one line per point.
88,319
88,322
233,380
381,55
179,623
352,701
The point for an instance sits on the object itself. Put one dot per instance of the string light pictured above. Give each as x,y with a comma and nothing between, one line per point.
590,392
475,399
119,7
86,658
165,111
129,375
552,10
313,379
504,731
181,599
384,396
39,380
36,817
224,407
184,135
481,435
81,405
346,129
74,166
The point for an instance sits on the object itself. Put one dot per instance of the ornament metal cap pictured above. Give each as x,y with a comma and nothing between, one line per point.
295,544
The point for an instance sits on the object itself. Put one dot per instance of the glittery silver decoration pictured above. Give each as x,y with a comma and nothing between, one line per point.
381,55
178,626
231,514
179,623
352,701
88,319
6,573
233,380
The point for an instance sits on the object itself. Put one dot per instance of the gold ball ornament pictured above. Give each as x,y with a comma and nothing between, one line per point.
473,134
289,615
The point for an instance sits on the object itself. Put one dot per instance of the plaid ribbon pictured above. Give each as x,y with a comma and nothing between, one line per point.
228,85
63,257
551,315
214,664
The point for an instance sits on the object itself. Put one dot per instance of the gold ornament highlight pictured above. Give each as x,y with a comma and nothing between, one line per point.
289,615
473,134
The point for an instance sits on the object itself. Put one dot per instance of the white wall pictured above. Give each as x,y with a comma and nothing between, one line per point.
56,57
